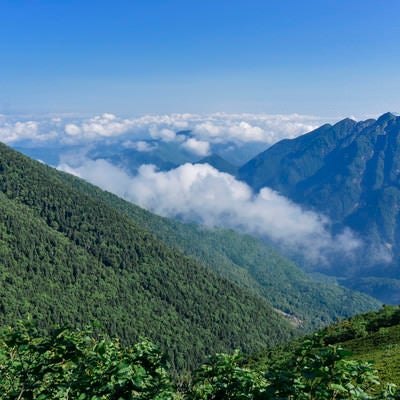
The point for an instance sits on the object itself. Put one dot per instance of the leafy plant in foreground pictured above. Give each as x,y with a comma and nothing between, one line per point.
313,372
66,364
227,377
69,364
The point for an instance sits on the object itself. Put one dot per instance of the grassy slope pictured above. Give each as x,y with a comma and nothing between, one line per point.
373,336
383,349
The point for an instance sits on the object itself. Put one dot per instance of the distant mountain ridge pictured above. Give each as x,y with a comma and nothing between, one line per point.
219,163
350,172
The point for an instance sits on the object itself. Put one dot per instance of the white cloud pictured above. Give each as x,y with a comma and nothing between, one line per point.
245,128
208,129
202,194
212,128
99,127
140,145
238,131
164,134
108,116
11,132
72,129
199,147
247,132
105,125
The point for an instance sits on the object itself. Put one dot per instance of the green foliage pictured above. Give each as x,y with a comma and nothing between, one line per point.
322,373
227,377
381,347
68,364
312,371
79,364
362,324
374,336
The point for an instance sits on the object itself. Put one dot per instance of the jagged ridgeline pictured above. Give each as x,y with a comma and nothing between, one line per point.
67,258
350,172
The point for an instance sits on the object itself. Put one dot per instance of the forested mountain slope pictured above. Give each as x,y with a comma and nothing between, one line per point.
350,172
247,261
68,258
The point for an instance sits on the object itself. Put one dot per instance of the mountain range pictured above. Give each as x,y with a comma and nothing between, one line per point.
347,173
73,254
67,258
350,172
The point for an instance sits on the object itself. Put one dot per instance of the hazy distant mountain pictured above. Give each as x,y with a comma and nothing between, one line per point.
129,151
350,172
165,156
130,160
219,163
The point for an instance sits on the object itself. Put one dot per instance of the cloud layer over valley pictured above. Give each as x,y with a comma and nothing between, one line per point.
105,149
200,193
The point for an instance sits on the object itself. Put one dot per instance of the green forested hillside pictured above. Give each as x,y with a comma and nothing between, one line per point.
68,258
248,262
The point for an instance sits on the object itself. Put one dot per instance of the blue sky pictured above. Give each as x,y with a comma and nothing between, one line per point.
327,58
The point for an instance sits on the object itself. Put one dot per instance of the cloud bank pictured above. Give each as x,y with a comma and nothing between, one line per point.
13,131
202,194
208,128
199,147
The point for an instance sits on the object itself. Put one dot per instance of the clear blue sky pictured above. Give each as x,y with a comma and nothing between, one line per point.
320,57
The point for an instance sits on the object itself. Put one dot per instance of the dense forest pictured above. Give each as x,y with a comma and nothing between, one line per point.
69,259
248,262
72,241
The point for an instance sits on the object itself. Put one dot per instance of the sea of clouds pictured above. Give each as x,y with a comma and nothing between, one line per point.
205,129
191,192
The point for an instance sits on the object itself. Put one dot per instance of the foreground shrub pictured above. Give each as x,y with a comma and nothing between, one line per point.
68,364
